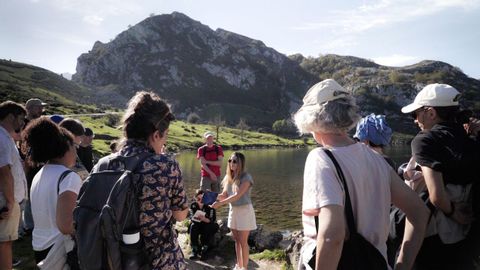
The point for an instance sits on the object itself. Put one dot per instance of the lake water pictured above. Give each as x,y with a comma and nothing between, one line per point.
278,178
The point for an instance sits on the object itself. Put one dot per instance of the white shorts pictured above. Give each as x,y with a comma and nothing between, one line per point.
9,227
242,218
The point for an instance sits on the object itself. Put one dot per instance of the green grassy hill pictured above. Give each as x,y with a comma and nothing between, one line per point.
20,82
186,136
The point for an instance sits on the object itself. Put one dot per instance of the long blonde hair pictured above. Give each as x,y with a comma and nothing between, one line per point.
234,178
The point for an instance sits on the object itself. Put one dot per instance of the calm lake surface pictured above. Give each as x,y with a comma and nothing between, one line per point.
278,182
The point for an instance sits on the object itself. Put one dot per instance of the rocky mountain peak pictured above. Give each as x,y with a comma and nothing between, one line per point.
182,60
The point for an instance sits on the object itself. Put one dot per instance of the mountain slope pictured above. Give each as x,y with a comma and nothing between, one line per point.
384,90
20,82
195,68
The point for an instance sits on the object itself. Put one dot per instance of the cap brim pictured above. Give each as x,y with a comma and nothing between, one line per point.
411,108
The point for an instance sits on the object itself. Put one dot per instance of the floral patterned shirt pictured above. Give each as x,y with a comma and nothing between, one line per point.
162,193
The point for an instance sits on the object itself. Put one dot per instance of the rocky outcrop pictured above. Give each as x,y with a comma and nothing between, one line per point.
194,66
384,90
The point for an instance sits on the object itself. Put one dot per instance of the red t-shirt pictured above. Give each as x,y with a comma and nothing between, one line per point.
211,155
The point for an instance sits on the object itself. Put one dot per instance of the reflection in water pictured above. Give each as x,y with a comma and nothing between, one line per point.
278,182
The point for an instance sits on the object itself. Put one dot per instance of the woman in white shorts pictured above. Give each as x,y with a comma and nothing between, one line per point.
237,186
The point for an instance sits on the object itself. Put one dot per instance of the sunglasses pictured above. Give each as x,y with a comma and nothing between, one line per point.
234,161
414,114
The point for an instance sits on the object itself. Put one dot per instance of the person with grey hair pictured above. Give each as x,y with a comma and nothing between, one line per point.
329,112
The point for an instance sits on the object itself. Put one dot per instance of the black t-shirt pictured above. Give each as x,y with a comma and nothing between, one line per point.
447,148
86,156
210,213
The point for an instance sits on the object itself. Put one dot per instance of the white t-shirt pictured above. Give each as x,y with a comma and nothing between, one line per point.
43,195
368,179
9,156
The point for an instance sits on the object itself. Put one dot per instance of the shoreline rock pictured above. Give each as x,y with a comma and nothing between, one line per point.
222,255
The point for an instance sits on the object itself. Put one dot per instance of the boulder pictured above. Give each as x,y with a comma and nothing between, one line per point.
293,250
262,238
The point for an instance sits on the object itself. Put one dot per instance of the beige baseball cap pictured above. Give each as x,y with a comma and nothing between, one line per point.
434,95
208,134
322,92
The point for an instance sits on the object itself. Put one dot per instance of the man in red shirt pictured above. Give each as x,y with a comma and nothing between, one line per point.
211,157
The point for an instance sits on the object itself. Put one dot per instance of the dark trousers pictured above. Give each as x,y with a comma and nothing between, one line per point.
42,254
201,234
435,255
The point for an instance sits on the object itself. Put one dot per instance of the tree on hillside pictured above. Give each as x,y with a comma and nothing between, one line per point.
193,118
218,122
242,125
284,127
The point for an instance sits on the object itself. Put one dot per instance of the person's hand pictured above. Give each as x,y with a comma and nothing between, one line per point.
216,205
463,213
6,214
205,219
213,177
221,197
473,127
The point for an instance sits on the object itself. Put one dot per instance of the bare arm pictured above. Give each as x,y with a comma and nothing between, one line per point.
203,163
417,217
6,186
436,189
330,238
237,195
180,215
218,162
223,195
64,214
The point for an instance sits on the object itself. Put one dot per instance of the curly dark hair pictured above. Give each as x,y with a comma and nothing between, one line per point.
44,140
146,113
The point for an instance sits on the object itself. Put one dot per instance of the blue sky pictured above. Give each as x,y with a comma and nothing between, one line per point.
53,33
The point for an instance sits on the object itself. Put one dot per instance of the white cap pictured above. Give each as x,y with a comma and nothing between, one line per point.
434,95
208,134
322,92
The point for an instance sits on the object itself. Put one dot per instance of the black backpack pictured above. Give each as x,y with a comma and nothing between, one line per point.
107,206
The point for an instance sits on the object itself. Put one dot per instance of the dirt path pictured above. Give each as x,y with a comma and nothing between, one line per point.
222,259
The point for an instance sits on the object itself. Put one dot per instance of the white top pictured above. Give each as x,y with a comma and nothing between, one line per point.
368,179
9,156
43,195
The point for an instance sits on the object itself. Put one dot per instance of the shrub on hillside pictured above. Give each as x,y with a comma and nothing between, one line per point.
198,143
396,77
284,127
112,120
193,118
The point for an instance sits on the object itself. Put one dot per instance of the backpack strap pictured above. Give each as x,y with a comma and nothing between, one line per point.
60,179
204,150
130,162
348,204
133,162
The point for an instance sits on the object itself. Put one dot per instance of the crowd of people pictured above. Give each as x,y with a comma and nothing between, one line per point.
350,186
440,232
